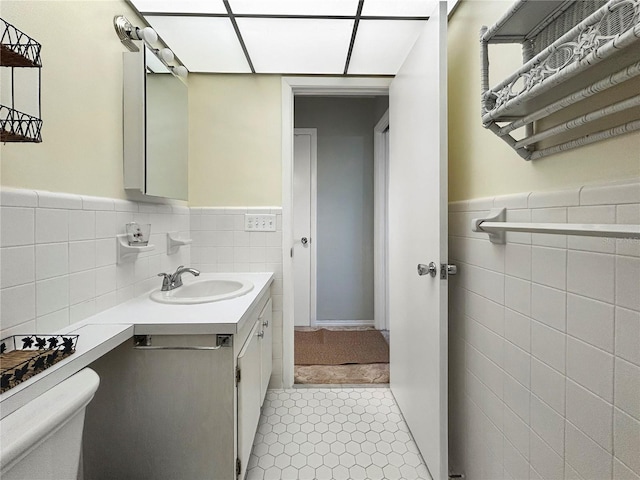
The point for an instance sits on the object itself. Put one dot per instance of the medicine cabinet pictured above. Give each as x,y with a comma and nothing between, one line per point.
155,127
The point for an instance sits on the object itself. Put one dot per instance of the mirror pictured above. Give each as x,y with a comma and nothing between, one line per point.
155,127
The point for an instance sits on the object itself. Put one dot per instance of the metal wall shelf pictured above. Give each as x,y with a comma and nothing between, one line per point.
18,50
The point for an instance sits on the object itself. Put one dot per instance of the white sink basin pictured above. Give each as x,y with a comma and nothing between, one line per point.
203,291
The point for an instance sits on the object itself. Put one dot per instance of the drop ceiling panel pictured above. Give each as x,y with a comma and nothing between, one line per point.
309,46
295,7
204,44
382,45
398,8
180,6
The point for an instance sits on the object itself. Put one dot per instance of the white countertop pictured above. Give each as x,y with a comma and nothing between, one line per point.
150,317
103,332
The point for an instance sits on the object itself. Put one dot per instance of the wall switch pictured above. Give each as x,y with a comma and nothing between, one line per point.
259,222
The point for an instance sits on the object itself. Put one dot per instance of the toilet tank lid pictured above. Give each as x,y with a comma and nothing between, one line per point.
36,421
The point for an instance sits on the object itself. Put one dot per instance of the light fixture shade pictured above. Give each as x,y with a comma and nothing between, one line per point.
166,55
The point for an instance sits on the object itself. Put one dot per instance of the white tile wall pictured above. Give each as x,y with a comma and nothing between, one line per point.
220,244
58,256
545,377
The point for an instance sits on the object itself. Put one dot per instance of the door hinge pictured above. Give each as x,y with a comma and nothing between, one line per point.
238,467
238,375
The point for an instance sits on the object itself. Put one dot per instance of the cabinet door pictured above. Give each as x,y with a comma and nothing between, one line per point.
162,414
249,400
266,324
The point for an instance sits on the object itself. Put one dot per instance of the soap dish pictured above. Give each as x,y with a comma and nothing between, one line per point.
37,353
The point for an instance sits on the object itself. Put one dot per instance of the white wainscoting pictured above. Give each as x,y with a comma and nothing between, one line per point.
544,341
59,262
220,244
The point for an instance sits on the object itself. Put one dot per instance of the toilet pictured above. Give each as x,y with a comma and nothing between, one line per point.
42,440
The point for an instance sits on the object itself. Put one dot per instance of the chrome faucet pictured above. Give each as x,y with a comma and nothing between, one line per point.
169,282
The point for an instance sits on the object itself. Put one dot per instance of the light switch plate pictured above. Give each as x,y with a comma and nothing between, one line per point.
259,222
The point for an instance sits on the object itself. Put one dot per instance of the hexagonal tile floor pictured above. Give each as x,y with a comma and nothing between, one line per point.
333,434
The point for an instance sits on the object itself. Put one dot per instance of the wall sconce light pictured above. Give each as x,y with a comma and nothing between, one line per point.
127,33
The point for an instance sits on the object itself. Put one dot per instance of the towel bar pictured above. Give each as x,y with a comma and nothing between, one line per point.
496,227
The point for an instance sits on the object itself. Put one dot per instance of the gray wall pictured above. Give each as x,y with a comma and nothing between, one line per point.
345,202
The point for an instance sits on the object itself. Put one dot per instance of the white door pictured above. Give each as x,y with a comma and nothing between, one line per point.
418,235
304,164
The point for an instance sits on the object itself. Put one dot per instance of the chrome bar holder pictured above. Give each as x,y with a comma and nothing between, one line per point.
143,342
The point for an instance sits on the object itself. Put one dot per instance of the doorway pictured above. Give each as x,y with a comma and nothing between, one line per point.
339,223
417,229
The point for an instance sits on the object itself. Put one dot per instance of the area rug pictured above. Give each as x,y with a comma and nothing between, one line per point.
340,347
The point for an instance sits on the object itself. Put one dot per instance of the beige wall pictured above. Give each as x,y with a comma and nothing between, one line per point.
480,163
81,150
235,140
235,122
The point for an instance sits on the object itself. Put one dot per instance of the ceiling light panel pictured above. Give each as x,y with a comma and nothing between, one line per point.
382,45
295,7
398,8
203,44
180,6
310,46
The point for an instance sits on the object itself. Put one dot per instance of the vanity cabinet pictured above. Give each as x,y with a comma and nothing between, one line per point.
266,364
254,372
176,412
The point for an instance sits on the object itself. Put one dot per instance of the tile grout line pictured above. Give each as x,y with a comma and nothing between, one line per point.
613,383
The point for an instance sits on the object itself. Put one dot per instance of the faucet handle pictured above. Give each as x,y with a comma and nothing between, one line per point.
166,280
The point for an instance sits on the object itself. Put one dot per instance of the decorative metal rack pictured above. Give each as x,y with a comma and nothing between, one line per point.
18,50
23,356
571,51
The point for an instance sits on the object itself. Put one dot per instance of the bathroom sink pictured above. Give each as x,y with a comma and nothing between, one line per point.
203,291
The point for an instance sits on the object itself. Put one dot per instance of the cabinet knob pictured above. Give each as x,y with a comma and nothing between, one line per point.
265,323
261,334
